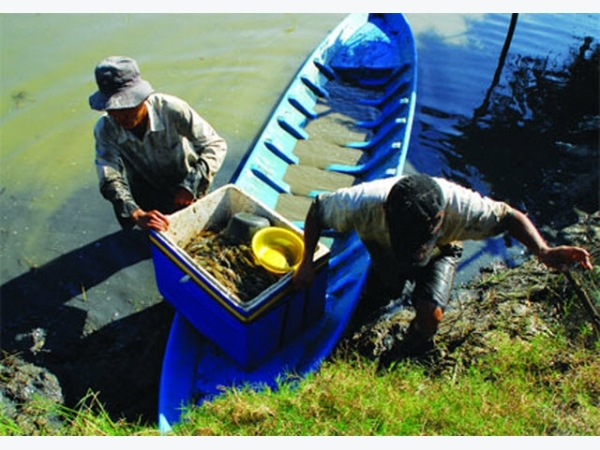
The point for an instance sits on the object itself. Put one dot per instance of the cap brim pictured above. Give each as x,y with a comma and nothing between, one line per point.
126,98
409,243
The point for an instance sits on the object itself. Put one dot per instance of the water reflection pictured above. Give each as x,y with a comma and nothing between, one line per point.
539,117
542,107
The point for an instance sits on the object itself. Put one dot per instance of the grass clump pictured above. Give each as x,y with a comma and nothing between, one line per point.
542,387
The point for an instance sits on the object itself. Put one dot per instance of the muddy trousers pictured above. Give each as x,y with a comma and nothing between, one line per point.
430,295
433,287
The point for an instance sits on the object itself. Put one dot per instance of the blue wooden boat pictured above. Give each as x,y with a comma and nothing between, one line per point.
353,100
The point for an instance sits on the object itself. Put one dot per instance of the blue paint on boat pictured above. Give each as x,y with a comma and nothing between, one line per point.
373,51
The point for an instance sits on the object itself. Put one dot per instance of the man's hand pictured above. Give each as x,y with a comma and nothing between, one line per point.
183,198
154,220
560,258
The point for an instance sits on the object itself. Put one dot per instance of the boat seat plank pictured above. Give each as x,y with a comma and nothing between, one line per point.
379,156
395,108
305,179
293,207
321,154
387,129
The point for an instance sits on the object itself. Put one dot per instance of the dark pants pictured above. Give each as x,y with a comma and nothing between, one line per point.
149,197
432,283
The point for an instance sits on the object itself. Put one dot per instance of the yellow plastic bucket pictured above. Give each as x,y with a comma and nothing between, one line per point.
277,249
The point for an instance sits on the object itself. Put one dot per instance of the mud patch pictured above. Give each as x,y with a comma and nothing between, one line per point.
520,302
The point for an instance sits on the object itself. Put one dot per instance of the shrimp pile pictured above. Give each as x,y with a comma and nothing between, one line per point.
231,264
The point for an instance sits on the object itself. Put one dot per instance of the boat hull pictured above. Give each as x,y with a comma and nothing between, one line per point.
372,53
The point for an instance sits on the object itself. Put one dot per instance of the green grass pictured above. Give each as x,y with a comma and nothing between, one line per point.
525,374
540,387
519,390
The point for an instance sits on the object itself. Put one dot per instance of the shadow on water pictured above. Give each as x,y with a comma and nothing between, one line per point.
542,128
533,141
121,361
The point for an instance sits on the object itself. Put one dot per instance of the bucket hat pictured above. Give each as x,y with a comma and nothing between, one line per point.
119,83
414,210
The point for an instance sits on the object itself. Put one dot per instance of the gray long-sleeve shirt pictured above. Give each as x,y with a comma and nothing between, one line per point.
180,148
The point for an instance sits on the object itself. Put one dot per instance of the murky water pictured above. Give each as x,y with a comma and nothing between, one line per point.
232,68
62,256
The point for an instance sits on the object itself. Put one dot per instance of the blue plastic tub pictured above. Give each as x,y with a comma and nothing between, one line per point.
251,331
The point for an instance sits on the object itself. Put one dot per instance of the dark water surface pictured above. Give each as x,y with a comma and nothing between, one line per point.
78,296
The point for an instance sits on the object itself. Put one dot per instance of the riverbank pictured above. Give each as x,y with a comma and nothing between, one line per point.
523,301
125,357
505,309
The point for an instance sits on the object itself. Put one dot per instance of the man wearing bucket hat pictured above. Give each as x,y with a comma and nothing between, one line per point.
412,226
154,153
